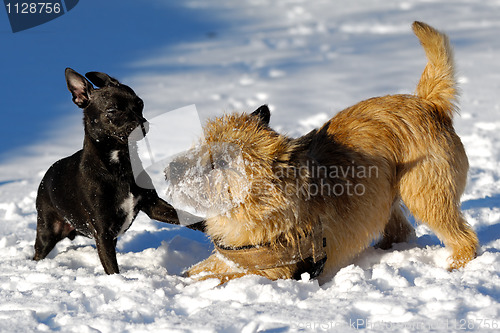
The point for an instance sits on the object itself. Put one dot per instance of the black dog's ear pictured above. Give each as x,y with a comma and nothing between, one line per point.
79,87
101,79
263,113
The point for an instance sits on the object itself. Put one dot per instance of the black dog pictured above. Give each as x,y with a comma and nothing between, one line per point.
93,192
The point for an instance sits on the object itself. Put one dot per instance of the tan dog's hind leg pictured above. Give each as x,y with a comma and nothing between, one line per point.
397,230
432,191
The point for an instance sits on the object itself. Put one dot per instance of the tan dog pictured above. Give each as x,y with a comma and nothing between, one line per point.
329,194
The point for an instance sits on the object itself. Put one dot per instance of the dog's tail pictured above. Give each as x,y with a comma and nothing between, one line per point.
437,84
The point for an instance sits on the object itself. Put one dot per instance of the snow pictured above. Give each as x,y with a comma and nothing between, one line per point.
307,60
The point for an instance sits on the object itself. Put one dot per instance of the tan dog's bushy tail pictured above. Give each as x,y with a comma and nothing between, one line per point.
437,84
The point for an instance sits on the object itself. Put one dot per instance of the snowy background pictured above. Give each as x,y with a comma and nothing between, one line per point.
307,60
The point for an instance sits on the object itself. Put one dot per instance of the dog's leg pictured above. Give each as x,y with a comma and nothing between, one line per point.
432,191
163,212
214,268
462,240
397,230
158,209
106,248
46,240
223,270
223,278
49,231
210,265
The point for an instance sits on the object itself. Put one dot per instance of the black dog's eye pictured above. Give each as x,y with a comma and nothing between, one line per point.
111,112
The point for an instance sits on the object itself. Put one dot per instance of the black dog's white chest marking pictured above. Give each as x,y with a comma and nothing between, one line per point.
128,207
129,203
113,157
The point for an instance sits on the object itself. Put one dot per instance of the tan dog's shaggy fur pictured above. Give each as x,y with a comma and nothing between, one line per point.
351,174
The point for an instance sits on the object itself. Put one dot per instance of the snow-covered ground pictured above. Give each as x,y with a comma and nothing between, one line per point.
307,60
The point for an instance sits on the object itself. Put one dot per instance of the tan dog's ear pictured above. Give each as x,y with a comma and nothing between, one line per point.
263,113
